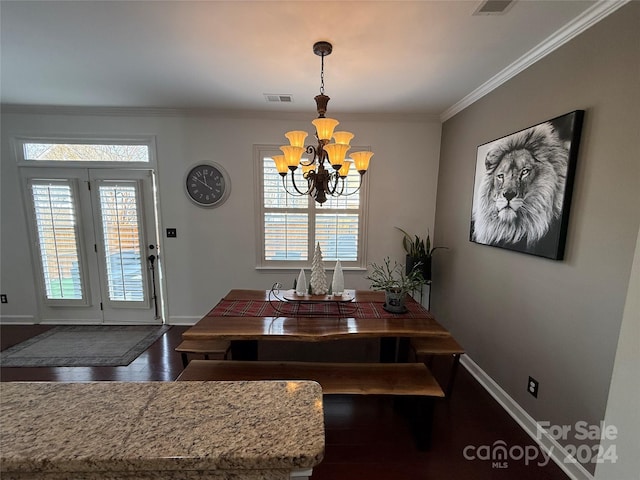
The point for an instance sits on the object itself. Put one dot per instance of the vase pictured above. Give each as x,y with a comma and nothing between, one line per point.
394,301
337,284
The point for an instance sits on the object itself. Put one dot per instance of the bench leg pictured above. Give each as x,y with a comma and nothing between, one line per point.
185,359
418,411
422,421
452,375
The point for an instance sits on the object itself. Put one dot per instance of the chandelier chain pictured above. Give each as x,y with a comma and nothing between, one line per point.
322,75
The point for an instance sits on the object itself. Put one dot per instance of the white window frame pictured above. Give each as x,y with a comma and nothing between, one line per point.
265,150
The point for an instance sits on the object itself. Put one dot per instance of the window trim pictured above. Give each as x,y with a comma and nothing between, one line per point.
262,150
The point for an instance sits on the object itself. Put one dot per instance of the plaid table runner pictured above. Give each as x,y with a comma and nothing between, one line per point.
256,308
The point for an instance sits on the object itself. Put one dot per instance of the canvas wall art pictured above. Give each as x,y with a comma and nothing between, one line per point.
523,185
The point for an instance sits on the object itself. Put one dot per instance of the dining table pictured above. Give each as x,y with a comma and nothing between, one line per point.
245,317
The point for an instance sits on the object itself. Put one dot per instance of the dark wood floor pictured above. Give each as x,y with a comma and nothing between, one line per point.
365,437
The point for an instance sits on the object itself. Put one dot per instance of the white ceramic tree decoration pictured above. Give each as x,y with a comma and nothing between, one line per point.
337,285
318,280
301,283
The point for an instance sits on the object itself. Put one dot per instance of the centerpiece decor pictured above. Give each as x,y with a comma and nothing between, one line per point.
301,283
395,282
337,284
318,281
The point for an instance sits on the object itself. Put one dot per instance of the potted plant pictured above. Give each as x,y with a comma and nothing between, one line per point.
395,282
420,251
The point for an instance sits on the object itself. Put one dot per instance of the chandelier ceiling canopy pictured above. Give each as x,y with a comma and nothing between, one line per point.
327,167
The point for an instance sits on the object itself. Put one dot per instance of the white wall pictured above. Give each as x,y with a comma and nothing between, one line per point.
519,315
215,249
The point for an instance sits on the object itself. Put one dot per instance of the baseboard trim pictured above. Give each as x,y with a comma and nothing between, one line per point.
186,321
17,320
555,450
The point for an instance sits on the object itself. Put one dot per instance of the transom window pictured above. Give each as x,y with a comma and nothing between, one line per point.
290,226
63,151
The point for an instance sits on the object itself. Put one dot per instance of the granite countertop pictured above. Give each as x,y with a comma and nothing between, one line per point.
251,428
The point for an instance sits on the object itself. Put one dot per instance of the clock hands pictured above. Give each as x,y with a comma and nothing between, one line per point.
204,183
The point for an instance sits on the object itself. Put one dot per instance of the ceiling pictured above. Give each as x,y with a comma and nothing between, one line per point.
389,57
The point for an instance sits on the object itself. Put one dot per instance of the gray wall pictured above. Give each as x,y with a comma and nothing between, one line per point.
519,315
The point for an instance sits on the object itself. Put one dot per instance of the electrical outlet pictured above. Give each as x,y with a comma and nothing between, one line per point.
532,387
172,233
3,298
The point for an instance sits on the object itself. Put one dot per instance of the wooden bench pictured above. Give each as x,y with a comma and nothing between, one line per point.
424,349
211,349
410,382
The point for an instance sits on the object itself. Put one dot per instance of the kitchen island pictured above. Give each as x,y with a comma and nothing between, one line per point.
267,430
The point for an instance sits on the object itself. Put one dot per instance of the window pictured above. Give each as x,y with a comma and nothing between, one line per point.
290,226
121,235
54,209
64,151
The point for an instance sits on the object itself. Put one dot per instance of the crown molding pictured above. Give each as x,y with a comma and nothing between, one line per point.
589,17
210,113
98,111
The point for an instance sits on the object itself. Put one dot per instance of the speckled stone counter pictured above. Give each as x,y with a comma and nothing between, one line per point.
157,430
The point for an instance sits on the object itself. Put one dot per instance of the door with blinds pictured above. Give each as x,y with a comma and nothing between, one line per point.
94,243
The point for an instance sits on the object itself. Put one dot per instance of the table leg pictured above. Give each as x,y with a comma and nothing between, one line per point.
388,350
244,350
394,350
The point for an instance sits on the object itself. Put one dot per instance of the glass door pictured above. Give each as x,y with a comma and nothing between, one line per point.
94,244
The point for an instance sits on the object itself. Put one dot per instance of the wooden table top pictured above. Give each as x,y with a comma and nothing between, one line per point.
311,328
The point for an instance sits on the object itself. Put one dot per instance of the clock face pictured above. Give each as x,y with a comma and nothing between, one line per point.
207,185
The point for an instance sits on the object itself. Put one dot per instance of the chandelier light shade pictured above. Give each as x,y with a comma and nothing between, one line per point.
362,159
281,164
327,167
296,138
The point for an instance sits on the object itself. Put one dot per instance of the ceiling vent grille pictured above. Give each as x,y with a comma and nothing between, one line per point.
494,7
278,98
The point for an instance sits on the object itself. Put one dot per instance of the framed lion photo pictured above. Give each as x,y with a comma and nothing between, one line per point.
523,185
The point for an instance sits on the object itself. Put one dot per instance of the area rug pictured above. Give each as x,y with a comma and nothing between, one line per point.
83,346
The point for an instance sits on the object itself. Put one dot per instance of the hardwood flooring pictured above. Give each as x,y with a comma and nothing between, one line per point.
365,437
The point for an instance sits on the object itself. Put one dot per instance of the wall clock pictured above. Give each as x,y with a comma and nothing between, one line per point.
207,184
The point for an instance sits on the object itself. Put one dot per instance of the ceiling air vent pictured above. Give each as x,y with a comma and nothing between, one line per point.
278,98
494,7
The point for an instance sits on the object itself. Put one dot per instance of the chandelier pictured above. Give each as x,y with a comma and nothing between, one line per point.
327,168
